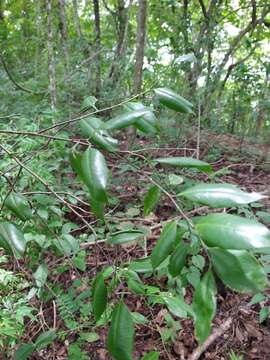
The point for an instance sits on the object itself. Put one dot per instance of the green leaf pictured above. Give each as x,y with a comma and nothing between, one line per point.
45,339
264,312
239,270
151,199
147,123
220,195
95,174
97,207
88,103
75,159
185,162
41,275
264,216
89,337
141,265
204,306
19,206
232,232
176,306
125,120
178,259
121,333
99,301
175,179
153,355
92,128
12,239
123,237
173,101
24,351
256,299
164,244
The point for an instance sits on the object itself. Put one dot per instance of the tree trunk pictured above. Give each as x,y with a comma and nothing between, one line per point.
97,48
51,60
63,32
76,19
140,44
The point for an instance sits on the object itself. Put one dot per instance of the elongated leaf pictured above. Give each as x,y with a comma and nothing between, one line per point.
220,195
92,128
178,259
45,339
233,232
125,120
153,355
19,206
164,244
176,306
12,239
99,301
173,101
121,333
151,199
24,352
147,123
95,174
185,162
141,265
204,306
75,159
123,237
97,208
239,270
41,275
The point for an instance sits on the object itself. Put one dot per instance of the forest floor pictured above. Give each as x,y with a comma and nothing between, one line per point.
245,335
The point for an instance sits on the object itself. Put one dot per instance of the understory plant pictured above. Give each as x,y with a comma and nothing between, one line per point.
203,250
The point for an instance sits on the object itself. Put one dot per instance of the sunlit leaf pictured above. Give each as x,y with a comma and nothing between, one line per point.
41,275
95,174
220,195
173,101
239,270
164,244
125,120
233,232
185,162
12,239
19,206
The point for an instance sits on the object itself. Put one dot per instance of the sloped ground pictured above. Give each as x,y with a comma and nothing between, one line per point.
244,335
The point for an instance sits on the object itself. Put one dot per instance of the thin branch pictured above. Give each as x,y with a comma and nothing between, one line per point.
203,9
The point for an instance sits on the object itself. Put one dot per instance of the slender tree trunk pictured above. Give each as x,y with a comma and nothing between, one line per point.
64,32
51,60
140,44
76,18
97,47
38,33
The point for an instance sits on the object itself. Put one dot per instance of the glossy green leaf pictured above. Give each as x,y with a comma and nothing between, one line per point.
164,244
92,128
173,101
45,339
176,306
12,239
178,259
153,355
204,306
41,275
151,199
147,123
239,270
75,159
99,301
123,237
97,208
125,120
232,232
19,206
88,103
95,174
121,333
141,265
24,352
220,195
185,162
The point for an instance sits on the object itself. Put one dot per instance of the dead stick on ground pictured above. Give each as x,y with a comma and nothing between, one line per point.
212,338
